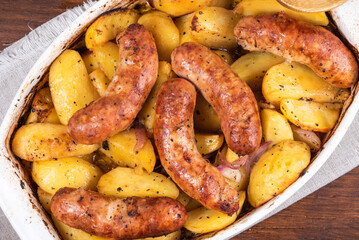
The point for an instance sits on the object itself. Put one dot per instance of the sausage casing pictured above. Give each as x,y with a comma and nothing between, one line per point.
230,96
174,138
109,217
302,42
135,76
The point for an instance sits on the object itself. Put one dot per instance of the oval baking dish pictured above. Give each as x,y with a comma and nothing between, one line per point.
17,196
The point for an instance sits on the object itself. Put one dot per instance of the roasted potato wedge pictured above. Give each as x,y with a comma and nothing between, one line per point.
252,67
90,61
208,143
65,172
107,56
99,81
68,72
147,115
297,81
275,126
108,25
309,115
205,117
164,31
124,182
214,27
45,199
177,8
260,7
203,220
183,198
276,169
69,233
47,141
184,27
121,149
42,108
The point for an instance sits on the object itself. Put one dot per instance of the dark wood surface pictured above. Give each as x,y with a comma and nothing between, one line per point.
330,213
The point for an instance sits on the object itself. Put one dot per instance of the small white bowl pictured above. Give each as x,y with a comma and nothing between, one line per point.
17,198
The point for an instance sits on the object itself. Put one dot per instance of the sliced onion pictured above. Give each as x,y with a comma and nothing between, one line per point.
141,138
247,161
232,174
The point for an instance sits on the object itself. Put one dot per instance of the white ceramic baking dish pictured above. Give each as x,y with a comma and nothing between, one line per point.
17,198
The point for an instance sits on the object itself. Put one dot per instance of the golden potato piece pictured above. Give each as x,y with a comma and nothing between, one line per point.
65,172
275,126
184,27
193,204
147,115
108,25
42,108
47,141
313,116
172,236
124,182
252,67
309,137
297,81
225,56
203,220
164,31
183,198
69,233
90,61
177,8
67,74
121,149
214,27
260,7
276,169
99,81
45,199
205,117
208,143
107,56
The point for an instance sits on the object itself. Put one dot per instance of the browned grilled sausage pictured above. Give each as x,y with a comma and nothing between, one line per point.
108,217
230,97
302,42
174,138
135,76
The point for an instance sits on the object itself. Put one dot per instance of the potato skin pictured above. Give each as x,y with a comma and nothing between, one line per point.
46,141
174,138
164,31
276,169
302,42
117,218
68,72
124,182
213,27
231,97
65,172
135,76
108,25
296,81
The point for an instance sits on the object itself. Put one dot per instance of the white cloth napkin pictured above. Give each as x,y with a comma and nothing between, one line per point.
17,59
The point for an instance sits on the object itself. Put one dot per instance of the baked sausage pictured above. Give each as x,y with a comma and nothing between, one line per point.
109,217
175,142
230,96
135,76
302,42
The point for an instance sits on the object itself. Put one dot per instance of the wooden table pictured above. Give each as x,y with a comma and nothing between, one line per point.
330,213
